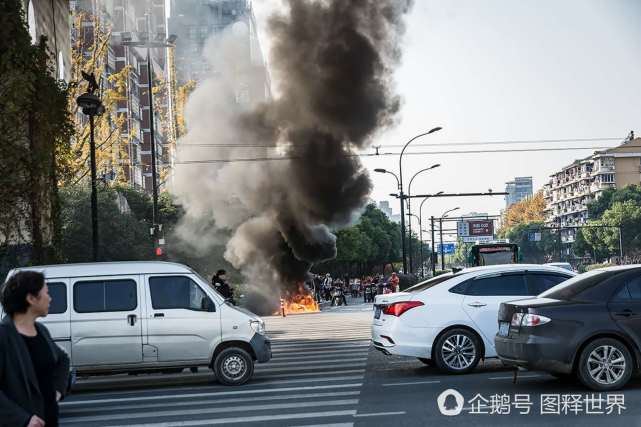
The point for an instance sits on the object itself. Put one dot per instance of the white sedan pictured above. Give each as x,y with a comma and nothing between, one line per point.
451,320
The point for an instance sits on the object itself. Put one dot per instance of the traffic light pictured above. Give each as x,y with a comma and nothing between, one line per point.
159,251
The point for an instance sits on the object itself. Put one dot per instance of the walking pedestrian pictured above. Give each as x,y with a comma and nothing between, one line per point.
34,371
327,287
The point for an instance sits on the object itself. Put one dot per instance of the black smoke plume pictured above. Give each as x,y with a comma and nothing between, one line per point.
332,61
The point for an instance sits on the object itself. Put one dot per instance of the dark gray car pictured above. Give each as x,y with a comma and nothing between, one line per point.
588,326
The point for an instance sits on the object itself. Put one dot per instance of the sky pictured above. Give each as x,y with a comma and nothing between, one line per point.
494,70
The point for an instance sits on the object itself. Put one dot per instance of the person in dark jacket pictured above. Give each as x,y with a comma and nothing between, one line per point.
34,371
219,282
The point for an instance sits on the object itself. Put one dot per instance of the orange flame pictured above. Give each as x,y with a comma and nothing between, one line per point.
300,302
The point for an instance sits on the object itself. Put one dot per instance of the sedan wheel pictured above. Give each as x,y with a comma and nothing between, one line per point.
605,364
457,351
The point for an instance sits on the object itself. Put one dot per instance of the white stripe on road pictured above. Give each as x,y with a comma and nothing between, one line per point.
310,374
321,344
192,395
362,363
138,406
512,377
202,411
410,383
302,355
259,418
308,362
380,414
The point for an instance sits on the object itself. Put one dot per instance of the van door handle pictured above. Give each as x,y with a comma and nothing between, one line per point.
477,304
159,314
131,319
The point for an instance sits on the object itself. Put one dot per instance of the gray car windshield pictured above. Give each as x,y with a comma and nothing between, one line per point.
573,287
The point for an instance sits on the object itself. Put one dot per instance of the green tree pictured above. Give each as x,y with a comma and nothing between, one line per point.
123,237
608,197
531,251
34,131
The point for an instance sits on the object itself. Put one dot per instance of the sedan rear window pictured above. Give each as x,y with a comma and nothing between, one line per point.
431,282
575,286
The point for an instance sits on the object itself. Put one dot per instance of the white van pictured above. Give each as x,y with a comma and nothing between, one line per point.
139,316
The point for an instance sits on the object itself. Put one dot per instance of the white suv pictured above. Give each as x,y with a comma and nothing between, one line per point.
451,320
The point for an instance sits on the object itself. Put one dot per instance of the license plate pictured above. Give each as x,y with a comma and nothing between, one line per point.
377,313
504,329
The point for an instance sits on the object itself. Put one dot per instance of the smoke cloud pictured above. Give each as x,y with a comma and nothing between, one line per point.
332,64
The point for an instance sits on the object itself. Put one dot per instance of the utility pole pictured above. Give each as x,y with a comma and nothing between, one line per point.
433,252
152,138
92,106
94,190
440,227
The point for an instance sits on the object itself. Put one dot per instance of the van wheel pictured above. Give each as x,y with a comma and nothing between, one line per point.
233,366
457,351
605,364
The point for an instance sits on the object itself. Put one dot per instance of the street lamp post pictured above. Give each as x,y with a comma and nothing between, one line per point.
420,215
440,226
146,42
409,210
92,106
399,180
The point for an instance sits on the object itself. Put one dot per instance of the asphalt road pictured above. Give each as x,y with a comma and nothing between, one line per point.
324,373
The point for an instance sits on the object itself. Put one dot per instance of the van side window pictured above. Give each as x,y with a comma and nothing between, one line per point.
105,295
58,294
174,292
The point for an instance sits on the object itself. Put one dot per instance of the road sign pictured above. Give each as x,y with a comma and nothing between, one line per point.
480,239
475,230
448,248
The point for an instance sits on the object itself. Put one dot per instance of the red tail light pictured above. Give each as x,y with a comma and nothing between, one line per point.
398,308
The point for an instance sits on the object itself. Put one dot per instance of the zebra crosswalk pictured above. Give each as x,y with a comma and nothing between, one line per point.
314,378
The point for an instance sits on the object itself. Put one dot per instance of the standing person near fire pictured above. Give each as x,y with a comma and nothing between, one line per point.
219,282
318,287
34,371
327,287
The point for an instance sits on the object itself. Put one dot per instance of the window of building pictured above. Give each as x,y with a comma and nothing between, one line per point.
61,66
105,295
31,23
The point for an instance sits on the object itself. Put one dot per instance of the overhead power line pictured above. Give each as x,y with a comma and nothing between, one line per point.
454,143
412,153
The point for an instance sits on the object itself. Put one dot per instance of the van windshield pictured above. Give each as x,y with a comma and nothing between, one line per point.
431,282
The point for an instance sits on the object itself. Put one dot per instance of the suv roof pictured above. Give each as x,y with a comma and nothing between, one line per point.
105,269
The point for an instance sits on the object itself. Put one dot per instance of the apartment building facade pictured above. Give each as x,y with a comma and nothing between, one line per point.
126,21
194,22
518,189
569,191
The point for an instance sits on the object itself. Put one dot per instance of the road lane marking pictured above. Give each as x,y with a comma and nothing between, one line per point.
139,406
307,362
211,394
359,364
253,419
203,411
410,383
380,414
511,377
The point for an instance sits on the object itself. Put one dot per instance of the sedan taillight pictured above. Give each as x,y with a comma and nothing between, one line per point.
398,308
526,319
